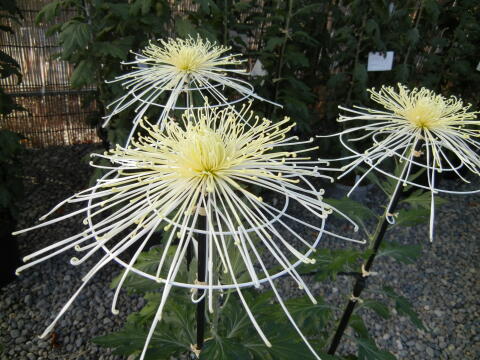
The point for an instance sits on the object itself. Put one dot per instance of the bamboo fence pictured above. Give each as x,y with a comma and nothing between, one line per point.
54,113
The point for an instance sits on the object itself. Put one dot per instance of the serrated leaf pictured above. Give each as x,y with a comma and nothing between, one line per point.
273,42
74,36
124,342
368,350
421,198
308,9
173,334
407,254
49,11
118,48
288,346
413,35
404,307
83,74
328,263
296,58
235,322
148,263
380,308
311,318
184,28
146,5
412,217
360,76
131,339
358,325
224,348
353,209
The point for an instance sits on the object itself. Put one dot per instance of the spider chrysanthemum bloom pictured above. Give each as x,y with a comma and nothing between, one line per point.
204,167
417,127
177,66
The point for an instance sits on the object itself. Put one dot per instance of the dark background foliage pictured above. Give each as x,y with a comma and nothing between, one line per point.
314,52
11,189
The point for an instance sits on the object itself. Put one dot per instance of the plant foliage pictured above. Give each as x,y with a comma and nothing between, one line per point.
313,53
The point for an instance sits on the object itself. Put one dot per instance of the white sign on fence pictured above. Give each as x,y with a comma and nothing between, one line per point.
378,61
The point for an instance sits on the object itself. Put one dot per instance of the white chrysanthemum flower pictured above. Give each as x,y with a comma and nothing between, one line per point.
179,66
419,128
201,167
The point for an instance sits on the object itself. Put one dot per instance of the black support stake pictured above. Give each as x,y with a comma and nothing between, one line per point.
201,277
361,279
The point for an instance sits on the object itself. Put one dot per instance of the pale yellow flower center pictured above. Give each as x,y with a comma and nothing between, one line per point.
189,56
424,113
189,59
204,153
213,148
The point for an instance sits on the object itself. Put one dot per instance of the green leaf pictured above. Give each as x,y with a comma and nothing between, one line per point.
121,11
49,11
296,58
412,217
273,42
380,308
402,72
308,9
421,198
74,36
311,318
83,74
368,350
125,342
146,5
147,313
131,339
224,348
413,35
328,263
235,322
404,307
146,262
173,335
287,346
406,254
118,48
184,28
353,209
360,77
54,29
385,186
358,325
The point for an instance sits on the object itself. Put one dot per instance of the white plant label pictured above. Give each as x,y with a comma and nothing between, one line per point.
378,61
478,66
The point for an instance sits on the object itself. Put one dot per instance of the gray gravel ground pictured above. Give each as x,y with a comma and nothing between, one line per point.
443,285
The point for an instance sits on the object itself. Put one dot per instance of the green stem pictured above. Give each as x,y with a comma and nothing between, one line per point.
417,20
281,59
375,244
357,57
225,22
